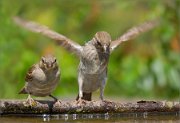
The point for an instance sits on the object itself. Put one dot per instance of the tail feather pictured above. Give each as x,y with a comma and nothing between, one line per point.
86,96
23,91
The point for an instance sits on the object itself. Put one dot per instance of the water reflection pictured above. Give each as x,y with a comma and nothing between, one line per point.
46,117
94,118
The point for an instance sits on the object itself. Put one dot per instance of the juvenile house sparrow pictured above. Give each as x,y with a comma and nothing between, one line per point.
41,79
94,55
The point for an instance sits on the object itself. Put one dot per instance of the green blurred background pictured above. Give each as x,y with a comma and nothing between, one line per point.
147,67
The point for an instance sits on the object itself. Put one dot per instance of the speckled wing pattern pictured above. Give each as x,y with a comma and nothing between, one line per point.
44,30
133,32
29,76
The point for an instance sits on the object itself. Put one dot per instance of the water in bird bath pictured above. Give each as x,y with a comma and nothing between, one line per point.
94,118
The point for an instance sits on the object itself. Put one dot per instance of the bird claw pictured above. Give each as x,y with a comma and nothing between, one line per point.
58,103
81,102
30,102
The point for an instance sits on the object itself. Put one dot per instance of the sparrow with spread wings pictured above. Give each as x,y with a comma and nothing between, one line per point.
94,55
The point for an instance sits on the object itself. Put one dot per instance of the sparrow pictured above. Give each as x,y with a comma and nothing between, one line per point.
94,55
41,79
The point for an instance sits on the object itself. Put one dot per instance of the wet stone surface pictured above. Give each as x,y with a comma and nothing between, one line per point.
89,107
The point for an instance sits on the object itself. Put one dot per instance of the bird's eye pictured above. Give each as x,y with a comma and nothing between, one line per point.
54,61
98,43
43,60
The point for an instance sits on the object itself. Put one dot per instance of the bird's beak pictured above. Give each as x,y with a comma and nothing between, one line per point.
49,66
106,48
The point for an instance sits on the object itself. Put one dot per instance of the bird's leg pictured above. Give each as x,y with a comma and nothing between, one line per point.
80,100
30,101
102,92
80,88
80,94
55,99
57,102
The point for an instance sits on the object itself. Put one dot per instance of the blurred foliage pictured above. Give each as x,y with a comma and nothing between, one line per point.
148,66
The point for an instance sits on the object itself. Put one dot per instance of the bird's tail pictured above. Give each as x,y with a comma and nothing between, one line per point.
22,91
86,96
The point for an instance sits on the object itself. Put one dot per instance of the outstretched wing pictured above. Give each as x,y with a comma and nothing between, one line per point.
60,39
133,32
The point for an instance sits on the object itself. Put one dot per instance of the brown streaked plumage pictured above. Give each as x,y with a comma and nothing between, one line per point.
93,66
29,76
42,78
94,55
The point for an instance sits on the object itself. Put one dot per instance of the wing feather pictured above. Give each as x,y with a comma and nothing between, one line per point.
133,32
44,30
29,76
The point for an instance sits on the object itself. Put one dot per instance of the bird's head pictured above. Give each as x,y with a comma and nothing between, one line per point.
48,62
102,41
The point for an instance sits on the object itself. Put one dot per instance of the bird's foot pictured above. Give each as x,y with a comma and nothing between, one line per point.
81,102
30,102
58,103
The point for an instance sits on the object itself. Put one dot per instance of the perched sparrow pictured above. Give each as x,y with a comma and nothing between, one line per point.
41,79
94,55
